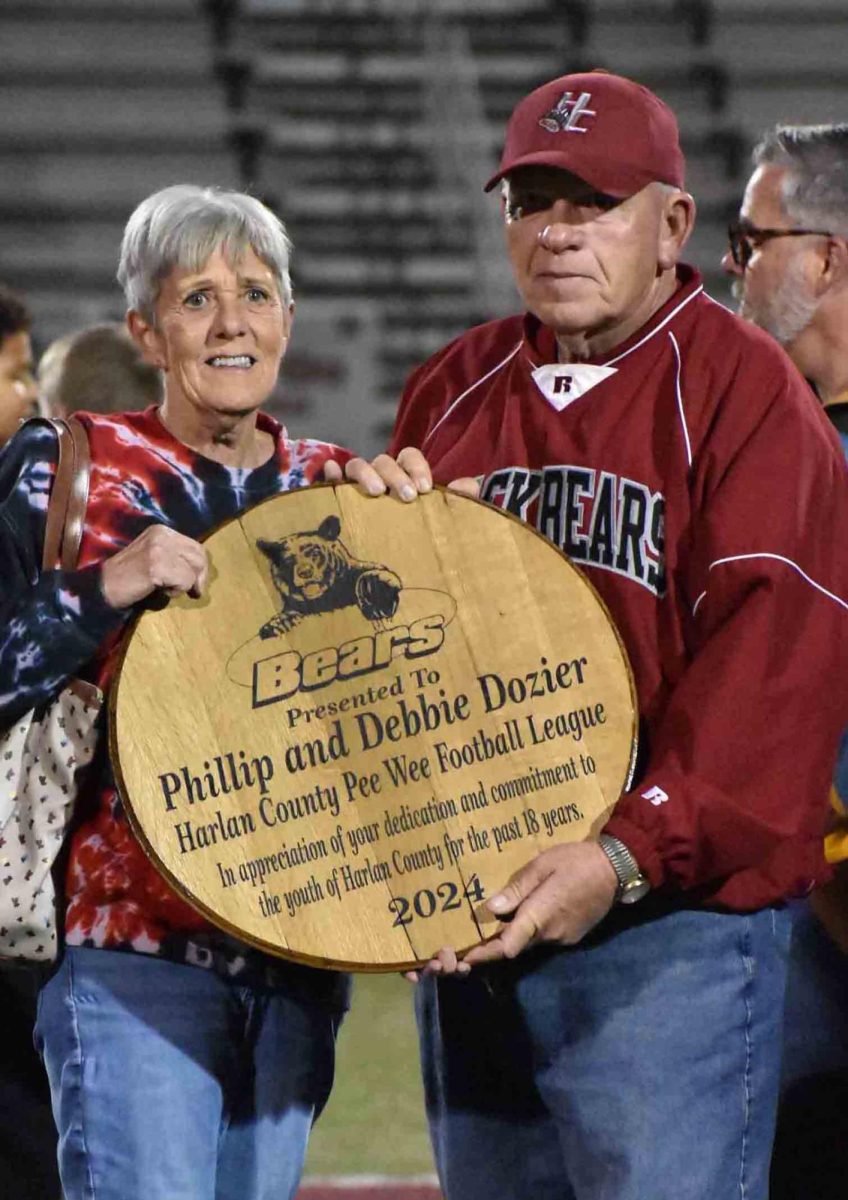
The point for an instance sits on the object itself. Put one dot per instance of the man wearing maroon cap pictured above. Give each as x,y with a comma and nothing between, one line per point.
619,1038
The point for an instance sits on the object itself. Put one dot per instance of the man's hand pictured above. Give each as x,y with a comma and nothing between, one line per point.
159,558
558,897
443,962
405,477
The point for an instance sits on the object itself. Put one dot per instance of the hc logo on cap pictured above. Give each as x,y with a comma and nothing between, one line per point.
564,118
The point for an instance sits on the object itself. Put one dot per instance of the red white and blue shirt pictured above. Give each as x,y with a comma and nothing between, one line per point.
58,624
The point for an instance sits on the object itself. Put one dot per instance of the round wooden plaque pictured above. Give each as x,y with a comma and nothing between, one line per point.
375,715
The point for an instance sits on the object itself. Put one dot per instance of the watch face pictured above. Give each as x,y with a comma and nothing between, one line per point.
634,890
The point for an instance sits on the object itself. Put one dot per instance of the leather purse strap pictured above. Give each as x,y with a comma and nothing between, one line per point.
68,497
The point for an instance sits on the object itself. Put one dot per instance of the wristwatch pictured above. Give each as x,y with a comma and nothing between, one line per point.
632,884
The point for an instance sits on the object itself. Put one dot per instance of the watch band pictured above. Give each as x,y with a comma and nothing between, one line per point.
632,884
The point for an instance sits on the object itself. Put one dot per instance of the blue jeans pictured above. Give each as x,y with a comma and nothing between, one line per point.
170,1083
641,1065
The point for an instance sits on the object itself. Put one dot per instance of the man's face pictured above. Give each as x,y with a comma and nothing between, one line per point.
584,262
775,289
17,383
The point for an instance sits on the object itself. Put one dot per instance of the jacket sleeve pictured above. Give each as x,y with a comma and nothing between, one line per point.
740,766
412,420
51,624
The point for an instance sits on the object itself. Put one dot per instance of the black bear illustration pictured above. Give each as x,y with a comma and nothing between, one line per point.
315,573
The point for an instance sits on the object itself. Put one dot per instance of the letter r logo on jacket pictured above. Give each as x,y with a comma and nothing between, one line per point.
656,796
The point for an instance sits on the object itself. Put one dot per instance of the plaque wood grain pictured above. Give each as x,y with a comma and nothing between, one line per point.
376,714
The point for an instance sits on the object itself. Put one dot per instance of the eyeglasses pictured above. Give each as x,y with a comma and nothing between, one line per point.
745,239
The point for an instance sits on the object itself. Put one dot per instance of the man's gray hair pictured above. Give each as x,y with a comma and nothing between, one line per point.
181,226
814,192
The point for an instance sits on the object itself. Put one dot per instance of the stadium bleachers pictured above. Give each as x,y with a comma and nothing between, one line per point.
369,124
341,97
102,102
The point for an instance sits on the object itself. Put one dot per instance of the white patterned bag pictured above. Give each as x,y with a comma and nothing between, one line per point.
43,751
39,758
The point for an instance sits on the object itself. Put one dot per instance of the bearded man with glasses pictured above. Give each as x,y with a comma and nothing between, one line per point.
796,289
789,254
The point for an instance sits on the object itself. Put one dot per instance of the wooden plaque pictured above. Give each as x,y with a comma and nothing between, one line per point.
376,714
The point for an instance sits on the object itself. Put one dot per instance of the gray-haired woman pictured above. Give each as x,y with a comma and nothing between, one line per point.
182,1063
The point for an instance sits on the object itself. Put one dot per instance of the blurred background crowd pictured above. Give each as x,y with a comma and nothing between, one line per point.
368,126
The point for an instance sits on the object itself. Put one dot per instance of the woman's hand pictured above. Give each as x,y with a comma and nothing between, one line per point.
158,559
405,477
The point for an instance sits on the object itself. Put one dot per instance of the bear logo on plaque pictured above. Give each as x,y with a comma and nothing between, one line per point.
321,586
314,572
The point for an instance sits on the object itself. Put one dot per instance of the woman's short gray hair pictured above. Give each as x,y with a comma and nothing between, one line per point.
181,226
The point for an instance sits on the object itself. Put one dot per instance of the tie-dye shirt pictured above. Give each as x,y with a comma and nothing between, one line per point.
58,624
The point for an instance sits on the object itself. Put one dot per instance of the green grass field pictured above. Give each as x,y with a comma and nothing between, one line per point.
374,1122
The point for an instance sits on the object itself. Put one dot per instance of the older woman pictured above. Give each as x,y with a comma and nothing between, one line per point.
182,1064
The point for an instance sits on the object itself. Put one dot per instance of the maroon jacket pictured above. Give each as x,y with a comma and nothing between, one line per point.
698,484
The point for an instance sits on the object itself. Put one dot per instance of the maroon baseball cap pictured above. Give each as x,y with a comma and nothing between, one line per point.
614,133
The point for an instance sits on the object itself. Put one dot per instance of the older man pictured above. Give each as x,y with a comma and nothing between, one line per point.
619,1037
789,258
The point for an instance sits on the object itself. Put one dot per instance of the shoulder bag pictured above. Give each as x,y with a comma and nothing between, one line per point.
42,753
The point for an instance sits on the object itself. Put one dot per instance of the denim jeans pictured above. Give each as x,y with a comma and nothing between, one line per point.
641,1065
171,1083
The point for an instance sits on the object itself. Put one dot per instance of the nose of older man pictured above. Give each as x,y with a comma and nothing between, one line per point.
562,231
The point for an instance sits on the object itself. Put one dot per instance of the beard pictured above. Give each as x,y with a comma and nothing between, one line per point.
785,313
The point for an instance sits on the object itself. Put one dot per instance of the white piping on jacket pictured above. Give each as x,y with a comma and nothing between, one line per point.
778,558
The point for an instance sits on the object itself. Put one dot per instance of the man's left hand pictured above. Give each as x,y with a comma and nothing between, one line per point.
558,897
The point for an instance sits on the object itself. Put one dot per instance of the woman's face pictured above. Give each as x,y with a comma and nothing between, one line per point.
219,335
